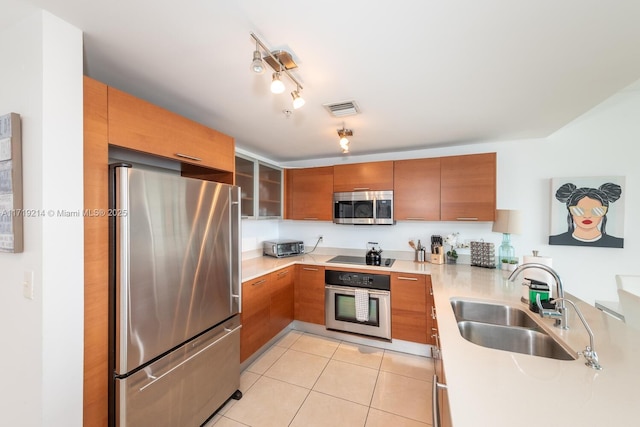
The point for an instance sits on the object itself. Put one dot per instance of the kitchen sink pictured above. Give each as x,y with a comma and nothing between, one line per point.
487,312
513,338
503,327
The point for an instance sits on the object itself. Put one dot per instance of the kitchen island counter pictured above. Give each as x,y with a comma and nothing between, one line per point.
502,388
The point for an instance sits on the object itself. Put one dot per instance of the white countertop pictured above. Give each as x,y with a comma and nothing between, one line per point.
507,389
254,267
501,388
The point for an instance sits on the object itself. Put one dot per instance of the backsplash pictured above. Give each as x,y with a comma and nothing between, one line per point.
352,239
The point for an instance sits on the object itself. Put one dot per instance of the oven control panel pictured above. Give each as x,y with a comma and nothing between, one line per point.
357,280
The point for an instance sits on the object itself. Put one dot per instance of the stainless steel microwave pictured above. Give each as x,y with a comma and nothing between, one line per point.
363,207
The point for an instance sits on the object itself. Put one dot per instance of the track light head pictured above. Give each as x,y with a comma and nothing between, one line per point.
257,65
298,100
276,84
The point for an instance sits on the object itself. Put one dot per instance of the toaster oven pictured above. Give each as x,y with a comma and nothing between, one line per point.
283,248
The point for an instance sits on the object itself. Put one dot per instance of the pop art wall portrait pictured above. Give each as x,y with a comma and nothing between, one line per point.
587,212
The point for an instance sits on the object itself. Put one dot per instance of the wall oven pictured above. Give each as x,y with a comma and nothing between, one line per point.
344,290
363,207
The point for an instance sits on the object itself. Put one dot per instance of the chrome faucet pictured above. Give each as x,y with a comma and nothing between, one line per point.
589,352
561,310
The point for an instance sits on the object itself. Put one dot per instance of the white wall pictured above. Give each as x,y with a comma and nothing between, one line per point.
41,79
602,142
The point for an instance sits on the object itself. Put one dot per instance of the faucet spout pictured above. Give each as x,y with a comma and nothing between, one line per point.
560,306
589,352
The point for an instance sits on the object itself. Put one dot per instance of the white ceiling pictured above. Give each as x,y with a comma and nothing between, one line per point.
425,73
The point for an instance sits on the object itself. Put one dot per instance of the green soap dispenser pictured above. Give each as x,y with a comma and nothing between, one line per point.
538,288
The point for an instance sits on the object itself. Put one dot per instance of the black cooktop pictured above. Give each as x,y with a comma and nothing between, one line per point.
360,260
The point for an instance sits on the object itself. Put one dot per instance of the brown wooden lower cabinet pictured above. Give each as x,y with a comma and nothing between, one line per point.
267,308
309,294
409,307
255,315
281,305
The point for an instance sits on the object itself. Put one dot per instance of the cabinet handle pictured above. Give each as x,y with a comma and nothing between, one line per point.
414,279
309,269
259,282
415,218
283,273
433,312
360,188
310,219
431,290
436,338
186,156
467,219
435,401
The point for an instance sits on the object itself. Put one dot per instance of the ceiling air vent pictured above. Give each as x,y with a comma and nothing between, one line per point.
341,109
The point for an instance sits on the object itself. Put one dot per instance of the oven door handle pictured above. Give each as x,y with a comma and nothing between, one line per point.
352,290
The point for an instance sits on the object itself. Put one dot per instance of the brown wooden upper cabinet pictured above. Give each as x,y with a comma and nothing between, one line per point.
309,193
416,189
468,187
371,176
139,125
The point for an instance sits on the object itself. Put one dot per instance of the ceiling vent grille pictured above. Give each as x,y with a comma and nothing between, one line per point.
342,109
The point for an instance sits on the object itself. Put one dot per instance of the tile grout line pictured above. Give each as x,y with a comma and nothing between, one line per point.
314,383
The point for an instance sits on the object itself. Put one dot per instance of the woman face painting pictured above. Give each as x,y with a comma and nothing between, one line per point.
587,216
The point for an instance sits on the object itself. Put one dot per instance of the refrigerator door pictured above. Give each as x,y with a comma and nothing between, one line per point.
176,264
186,386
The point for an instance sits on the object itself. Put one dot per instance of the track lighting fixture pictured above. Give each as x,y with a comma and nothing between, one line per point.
281,62
344,141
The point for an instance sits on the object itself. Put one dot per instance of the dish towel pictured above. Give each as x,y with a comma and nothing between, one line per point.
362,305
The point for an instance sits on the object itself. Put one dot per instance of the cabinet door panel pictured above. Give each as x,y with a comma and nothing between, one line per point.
363,176
254,316
408,307
281,307
468,187
309,294
310,193
139,125
417,189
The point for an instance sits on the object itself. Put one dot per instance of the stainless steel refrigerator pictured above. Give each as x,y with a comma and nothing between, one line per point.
175,297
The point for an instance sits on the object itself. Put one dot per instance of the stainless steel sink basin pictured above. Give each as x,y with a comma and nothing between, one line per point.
503,327
513,338
487,312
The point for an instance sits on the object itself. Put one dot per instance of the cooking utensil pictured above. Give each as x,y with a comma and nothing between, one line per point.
412,244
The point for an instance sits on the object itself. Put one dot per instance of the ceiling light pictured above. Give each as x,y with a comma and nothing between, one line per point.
344,141
276,84
257,66
281,62
298,100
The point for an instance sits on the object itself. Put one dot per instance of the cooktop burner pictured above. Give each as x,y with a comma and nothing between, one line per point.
359,260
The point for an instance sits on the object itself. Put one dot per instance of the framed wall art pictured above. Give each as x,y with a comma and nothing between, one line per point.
11,213
587,211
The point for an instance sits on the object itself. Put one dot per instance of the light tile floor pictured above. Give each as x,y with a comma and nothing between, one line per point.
305,380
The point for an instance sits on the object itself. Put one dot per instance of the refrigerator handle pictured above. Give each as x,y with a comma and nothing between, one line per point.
122,262
234,244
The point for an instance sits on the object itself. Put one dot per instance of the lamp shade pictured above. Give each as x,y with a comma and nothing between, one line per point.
507,221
